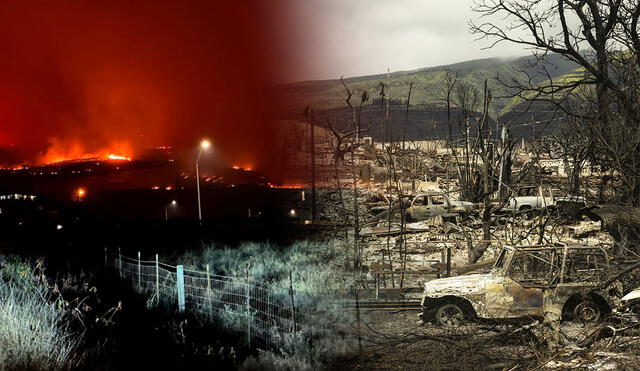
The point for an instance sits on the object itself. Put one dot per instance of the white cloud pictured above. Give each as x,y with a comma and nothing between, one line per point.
352,38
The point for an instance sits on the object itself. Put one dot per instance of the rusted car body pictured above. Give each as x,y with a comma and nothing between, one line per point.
525,282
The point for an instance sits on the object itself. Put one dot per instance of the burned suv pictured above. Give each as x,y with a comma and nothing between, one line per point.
526,281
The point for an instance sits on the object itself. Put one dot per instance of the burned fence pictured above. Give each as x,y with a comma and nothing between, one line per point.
267,317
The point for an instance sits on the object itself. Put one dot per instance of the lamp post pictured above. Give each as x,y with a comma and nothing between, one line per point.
166,210
204,145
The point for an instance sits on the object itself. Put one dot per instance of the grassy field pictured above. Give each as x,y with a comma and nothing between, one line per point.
95,321
35,324
324,329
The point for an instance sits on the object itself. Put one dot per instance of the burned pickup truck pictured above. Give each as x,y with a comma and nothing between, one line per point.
530,199
525,282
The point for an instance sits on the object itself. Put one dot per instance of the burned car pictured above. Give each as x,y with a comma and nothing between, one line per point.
423,207
525,282
428,205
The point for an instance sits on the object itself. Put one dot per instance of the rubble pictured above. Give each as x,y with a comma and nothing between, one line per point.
404,226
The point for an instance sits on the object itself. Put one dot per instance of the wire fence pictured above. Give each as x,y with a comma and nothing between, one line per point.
266,318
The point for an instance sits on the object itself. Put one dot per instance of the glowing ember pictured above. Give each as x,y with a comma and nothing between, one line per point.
245,168
286,186
119,158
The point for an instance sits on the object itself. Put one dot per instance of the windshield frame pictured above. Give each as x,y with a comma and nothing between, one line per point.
503,261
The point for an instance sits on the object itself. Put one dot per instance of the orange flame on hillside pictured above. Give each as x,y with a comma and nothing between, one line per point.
74,150
287,186
242,167
118,158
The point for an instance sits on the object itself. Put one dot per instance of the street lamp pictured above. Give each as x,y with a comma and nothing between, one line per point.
204,145
166,210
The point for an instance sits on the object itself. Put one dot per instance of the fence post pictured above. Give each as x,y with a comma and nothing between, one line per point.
120,262
180,287
248,304
293,303
208,282
157,280
209,296
293,310
139,284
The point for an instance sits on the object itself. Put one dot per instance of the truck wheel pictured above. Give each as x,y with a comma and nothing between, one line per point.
586,312
450,316
428,314
527,211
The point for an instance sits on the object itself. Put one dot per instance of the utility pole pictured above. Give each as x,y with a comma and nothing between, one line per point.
406,116
204,145
313,167
387,118
504,139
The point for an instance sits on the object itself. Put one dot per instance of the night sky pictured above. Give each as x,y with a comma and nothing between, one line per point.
80,78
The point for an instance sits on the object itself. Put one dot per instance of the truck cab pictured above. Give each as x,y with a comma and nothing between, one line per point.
531,198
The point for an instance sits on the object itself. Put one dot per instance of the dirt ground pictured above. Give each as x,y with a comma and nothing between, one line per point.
394,340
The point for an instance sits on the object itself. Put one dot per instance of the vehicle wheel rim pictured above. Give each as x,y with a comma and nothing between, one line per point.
587,312
450,315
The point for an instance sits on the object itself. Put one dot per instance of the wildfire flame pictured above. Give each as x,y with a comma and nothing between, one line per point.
287,186
117,157
241,167
59,151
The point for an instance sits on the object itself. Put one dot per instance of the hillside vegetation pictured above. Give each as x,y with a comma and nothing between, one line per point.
427,84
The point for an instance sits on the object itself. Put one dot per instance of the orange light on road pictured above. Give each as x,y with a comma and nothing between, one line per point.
80,193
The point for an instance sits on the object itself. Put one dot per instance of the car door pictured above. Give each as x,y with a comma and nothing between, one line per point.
506,298
520,292
419,209
438,205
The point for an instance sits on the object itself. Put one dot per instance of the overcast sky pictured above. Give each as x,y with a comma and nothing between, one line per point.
353,38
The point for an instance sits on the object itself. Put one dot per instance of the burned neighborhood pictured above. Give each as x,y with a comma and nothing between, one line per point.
313,185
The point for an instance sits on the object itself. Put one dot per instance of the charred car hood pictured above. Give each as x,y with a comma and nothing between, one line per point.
472,284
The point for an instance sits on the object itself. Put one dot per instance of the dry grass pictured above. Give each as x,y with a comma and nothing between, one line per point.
34,326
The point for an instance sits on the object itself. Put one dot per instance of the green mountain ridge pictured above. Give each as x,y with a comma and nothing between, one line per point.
427,86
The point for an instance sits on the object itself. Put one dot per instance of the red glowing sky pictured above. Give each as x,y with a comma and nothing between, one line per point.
94,75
